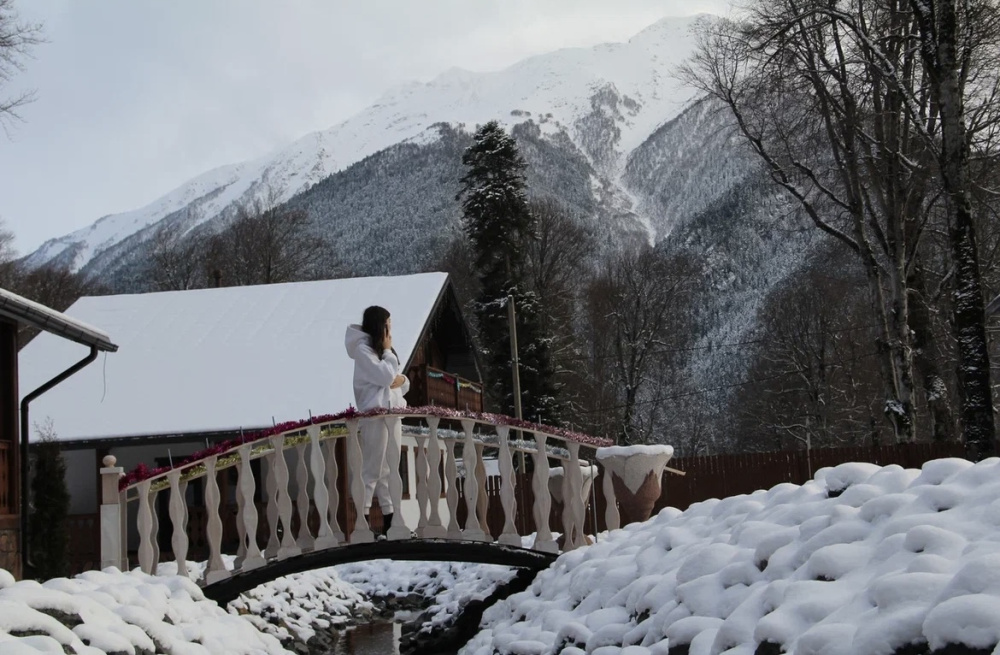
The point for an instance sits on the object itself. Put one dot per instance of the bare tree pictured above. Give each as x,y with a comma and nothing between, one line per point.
953,39
16,40
268,243
636,306
815,372
832,99
9,273
176,263
557,267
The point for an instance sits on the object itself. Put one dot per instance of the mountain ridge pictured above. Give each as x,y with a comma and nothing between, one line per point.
572,90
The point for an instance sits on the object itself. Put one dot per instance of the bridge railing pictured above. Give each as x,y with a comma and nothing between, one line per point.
312,451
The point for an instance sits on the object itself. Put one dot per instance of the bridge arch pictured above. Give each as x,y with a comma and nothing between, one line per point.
430,550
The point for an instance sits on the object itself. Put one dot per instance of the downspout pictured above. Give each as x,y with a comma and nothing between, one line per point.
26,562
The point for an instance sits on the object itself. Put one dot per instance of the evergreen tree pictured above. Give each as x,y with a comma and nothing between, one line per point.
48,524
499,226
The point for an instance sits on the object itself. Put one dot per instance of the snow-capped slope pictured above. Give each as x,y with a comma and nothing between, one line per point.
608,99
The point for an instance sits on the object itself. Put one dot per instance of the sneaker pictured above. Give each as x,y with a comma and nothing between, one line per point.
380,537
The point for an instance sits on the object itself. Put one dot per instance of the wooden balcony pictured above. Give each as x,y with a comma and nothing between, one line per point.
432,386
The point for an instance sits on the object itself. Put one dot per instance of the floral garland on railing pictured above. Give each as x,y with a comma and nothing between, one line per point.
143,472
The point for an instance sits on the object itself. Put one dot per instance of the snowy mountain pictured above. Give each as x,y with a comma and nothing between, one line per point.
608,131
601,102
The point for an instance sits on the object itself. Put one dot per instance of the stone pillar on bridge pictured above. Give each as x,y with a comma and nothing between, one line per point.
632,477
113,546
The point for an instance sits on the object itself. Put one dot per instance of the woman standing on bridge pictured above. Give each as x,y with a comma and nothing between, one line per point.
378,382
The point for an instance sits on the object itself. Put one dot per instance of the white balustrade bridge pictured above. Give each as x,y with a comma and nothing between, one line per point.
311,451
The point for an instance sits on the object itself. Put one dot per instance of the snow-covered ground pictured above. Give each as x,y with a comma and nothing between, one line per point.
114,612
862,560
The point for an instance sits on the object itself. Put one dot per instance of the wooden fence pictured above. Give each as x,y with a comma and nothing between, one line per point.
721,476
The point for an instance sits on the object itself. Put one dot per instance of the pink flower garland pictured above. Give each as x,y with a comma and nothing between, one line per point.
143,472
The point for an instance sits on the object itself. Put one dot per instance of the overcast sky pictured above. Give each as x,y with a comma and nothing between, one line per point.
134,97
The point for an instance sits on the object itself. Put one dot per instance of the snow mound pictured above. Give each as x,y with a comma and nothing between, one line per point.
862,559
113,612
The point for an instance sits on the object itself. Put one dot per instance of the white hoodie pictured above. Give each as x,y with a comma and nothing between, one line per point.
372,376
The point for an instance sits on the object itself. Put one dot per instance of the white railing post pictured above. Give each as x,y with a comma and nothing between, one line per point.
392,454
241,529
420,471
288,548
332,482
573,508
252,557
451,477
543,501
267,465
144,522
509,535
473,531
216,569
178,521
434,529
362,532
112,516
612,519
305,540
155,531
321,496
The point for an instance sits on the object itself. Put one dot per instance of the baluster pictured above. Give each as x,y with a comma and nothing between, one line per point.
509,536
420,468
216,569
361,533
392,453
241,530
154,535
145,526
305,540
573,506
288,547
270,503
483,497
178,521
451,475
612,519
473,531
247,518
435,529
543,501
321,497
332,488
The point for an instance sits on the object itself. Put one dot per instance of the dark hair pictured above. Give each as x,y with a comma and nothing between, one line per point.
373,323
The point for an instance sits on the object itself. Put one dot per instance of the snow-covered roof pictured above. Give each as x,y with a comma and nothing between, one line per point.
219,359
47,319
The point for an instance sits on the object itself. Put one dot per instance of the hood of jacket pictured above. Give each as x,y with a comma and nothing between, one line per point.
355,339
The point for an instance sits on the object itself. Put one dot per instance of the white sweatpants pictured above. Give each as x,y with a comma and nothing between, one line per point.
378,434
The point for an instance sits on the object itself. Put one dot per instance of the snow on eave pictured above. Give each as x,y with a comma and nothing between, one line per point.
45,318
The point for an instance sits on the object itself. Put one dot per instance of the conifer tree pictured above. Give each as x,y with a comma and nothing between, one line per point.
48,523
499,226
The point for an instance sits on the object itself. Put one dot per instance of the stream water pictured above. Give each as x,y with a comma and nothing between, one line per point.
375,638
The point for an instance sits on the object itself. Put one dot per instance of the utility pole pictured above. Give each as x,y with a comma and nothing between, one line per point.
511,317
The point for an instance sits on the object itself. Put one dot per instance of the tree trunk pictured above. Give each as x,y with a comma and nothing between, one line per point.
940,41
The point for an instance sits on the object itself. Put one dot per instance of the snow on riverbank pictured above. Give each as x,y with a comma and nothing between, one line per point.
112,612
863,559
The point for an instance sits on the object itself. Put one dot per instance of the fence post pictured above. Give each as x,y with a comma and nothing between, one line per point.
112,516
